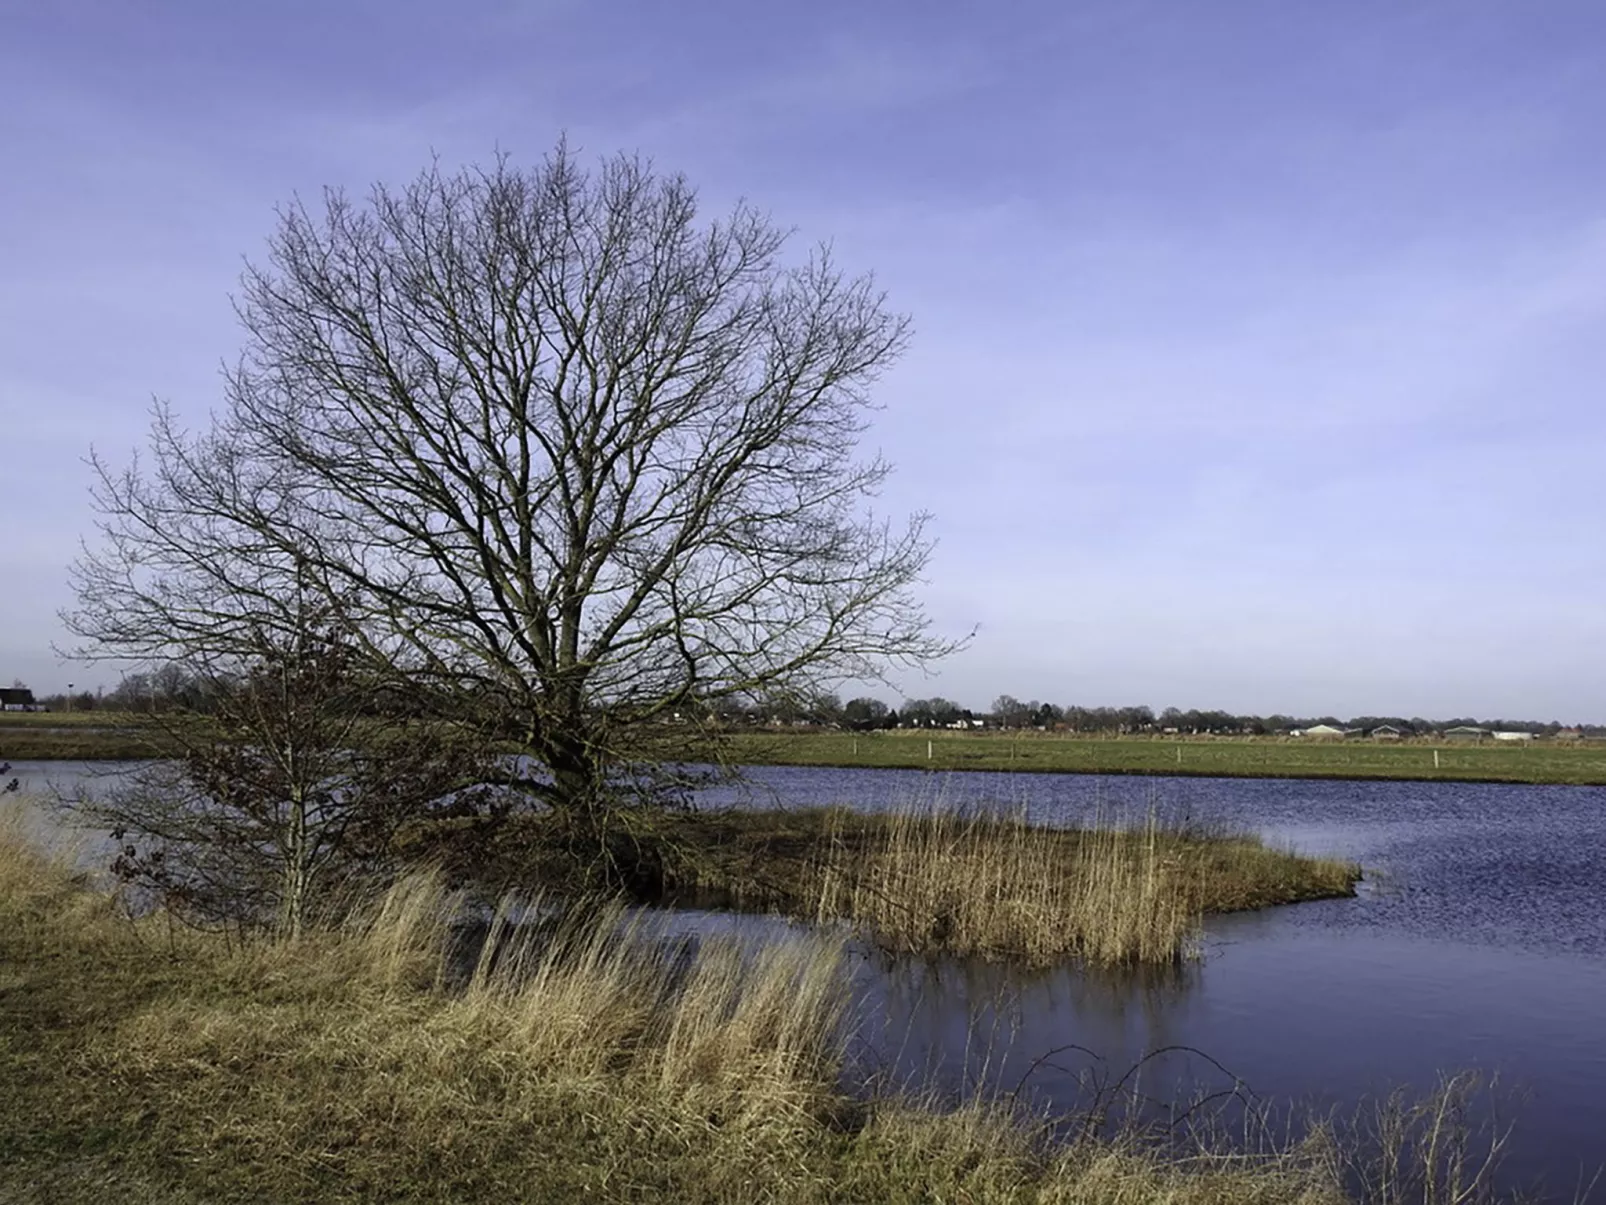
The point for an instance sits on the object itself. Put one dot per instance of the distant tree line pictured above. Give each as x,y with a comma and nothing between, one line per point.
171,688
1008,712
168,688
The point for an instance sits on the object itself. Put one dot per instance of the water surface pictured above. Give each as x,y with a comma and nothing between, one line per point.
1477,942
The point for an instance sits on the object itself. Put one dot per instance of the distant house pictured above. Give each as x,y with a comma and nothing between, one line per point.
16,698
1513,736
1324,732
1465,732
1386,732
1569,734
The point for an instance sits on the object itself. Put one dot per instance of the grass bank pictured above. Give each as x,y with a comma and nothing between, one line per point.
148,1063
929,880
19,742
1579,763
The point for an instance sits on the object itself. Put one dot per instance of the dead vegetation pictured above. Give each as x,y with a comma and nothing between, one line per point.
935,880
579,1056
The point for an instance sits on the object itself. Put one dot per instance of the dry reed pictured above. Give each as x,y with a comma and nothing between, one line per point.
929,879
1001,888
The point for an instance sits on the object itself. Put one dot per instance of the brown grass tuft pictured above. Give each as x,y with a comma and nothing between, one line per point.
996,888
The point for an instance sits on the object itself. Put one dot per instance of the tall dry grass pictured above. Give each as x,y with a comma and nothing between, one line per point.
935,879
929,879
580,1056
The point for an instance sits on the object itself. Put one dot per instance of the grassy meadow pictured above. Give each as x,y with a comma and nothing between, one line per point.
97,735
74,736
1580,763
148,1062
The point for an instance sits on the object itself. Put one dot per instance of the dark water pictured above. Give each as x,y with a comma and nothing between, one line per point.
1478,942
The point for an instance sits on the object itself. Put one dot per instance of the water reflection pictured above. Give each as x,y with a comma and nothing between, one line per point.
960,1028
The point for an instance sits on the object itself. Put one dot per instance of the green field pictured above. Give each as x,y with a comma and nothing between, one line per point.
60,719
104,735
71,736
1270,757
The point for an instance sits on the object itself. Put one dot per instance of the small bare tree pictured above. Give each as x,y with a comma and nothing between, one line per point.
572,459
296,781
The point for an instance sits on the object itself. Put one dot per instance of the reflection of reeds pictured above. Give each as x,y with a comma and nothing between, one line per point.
1438,1149
580,1057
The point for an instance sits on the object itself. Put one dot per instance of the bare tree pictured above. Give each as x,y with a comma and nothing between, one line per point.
570,457
297,780
1010,712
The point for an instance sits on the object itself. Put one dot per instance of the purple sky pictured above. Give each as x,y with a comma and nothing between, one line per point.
1258,346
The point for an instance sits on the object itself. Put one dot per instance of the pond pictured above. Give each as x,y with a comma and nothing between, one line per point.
1477,942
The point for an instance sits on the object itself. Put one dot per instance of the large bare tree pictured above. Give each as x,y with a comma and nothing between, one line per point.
569,456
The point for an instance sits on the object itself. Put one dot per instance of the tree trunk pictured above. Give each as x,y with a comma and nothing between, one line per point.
297,877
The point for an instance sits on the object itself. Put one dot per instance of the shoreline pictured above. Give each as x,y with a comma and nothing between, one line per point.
1282,759
1185,772
1450,778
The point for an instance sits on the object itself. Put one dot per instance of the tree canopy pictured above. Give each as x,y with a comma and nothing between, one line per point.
558,452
